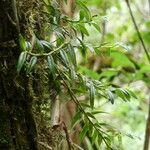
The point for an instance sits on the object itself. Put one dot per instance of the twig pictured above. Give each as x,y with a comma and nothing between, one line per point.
67,135
14,7
47,54
10,19
45,145
137,30
77,146
147,131
83,111
149,5
32,42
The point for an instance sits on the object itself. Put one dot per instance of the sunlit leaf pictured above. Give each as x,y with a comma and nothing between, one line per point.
23,43
82,29
90,115
99,140
81,15
123,93
120,59
96,26
132,94
98,112
94,136
84,131
120,93
87,13
126,93
111,97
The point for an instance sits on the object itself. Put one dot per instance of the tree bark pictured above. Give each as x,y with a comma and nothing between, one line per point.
17,126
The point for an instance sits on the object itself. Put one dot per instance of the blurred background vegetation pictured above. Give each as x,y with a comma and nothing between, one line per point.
126,64
86,66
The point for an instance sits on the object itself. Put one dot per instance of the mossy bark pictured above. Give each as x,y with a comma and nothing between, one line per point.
17,126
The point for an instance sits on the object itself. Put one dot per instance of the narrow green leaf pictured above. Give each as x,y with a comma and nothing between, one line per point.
82,5
126,93
85,105
130,136
119,93
81,15
21,60
64,57
82,29
111,97
132,94
87,13
23,43
83,48
99,140
76,118
73,75
28,45
97,27
72,55
91,128
31,64
98,112
94,136
123,94
46,44
101,124
84,131
38,45
125,47
90,115
52,65
92,95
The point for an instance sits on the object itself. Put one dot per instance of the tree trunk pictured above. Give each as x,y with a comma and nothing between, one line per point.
17,126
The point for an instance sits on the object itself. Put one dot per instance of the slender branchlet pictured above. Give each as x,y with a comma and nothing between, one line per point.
14,8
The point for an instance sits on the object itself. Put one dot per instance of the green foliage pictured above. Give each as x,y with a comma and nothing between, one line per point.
59,59
21,60
31,64
52,65
23,43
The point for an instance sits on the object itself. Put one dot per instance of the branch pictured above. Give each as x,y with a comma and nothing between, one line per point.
14,7
50,53
45,145
137,30
67,135
75,100
147,131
